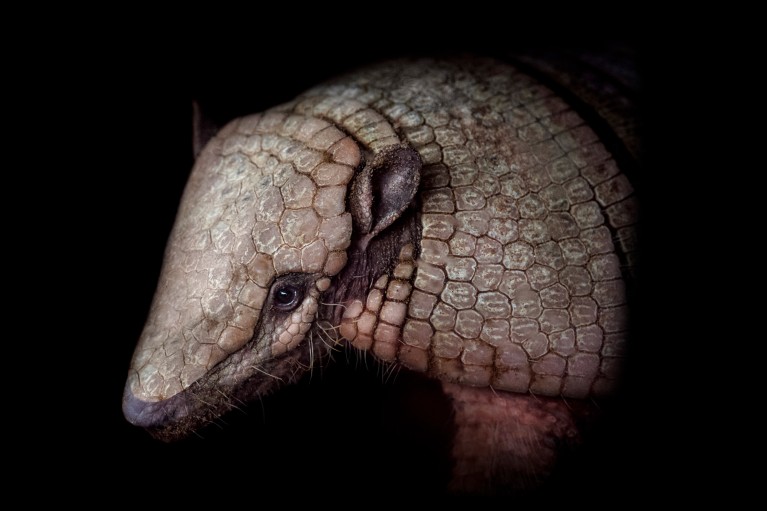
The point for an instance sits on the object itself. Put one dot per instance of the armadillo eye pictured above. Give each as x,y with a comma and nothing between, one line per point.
286,297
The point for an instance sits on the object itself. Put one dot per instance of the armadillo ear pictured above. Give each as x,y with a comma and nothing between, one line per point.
384,189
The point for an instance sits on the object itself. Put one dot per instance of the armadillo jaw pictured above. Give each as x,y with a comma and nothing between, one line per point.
262,365
169,420
178,416
151,414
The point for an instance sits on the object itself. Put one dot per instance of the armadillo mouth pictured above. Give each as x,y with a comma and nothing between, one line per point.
208,398
155,414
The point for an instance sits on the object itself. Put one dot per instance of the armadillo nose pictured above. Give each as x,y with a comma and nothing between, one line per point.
143,413
134,409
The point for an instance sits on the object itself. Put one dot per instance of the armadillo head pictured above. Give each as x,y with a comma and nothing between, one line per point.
262,231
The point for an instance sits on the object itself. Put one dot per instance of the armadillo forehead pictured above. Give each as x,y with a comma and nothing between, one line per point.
265,198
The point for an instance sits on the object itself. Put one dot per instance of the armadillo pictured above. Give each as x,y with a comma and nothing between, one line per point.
455,218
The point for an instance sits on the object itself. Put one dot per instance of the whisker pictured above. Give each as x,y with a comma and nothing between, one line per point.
229,401
265,372
263,408
393,372
338,304
198,398
330,330
311,355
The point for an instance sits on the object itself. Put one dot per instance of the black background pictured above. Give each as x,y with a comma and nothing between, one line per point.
127,124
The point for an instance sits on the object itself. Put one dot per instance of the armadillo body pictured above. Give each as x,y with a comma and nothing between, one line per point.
455,218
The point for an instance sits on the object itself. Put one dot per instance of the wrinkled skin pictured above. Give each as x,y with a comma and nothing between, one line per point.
456,219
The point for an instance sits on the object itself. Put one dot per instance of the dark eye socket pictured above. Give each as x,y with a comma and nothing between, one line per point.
286,297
